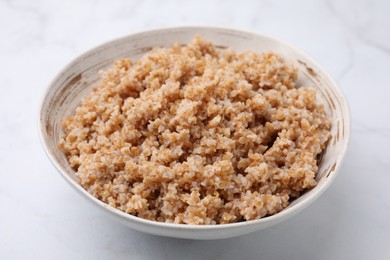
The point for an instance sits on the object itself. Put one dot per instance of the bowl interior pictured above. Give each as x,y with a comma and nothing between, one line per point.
78,78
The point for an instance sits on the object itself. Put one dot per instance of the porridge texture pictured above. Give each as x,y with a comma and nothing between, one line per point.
197,135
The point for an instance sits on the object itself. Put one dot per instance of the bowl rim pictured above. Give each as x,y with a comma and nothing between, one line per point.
315,192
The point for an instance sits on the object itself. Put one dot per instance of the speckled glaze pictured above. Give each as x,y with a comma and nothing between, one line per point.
77,79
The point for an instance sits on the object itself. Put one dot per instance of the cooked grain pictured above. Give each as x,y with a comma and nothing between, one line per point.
196,135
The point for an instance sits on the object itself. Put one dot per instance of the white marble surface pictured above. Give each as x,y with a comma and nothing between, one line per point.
41,216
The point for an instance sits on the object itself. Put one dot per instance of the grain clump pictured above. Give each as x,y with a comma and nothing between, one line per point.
197,135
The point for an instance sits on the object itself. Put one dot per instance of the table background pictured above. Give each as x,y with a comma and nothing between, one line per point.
41,216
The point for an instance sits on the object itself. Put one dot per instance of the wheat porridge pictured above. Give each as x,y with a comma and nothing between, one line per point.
197,135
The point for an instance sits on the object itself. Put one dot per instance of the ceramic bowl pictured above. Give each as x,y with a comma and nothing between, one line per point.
75,80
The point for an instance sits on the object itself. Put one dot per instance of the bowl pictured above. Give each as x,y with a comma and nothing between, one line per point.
75,80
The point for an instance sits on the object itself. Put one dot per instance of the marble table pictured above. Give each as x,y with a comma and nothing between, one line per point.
41,216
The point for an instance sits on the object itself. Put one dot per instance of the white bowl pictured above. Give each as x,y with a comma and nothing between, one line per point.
76,79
